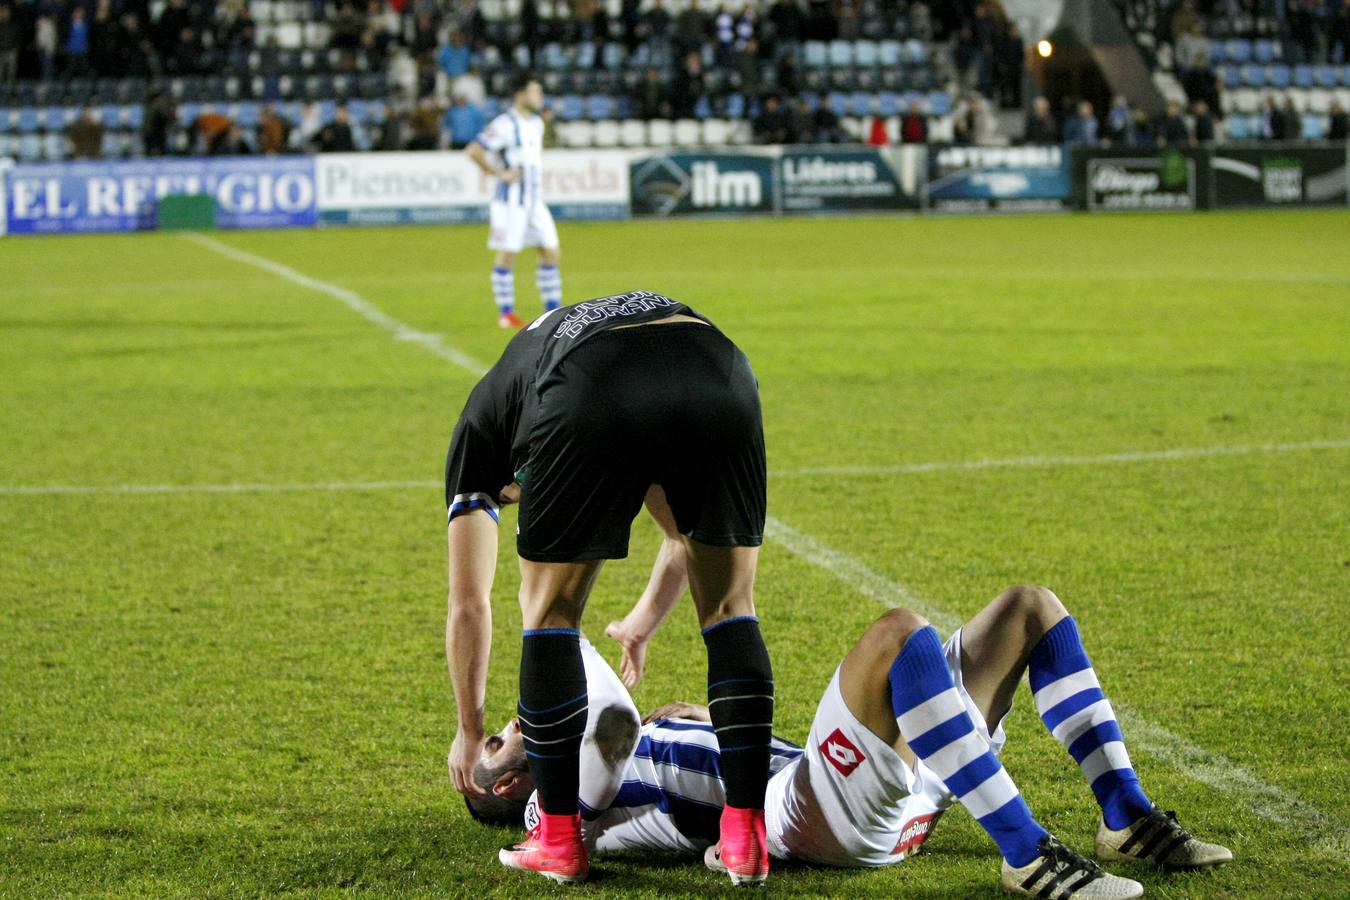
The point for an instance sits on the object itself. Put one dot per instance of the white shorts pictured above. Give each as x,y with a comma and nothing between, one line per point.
850,800
512,227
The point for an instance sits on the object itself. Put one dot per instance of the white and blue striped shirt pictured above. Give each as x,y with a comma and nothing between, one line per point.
519,140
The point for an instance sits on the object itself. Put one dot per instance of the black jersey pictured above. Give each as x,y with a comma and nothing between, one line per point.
491,440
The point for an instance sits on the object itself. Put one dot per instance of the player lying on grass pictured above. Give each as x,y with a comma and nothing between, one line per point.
899,736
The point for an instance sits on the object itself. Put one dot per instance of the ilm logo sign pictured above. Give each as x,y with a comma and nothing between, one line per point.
841,753
690,183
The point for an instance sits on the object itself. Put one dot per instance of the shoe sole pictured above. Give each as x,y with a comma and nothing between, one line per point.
507,859
711,860
1107,854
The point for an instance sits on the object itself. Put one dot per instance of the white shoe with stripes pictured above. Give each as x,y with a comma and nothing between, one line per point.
1059,873
1157,839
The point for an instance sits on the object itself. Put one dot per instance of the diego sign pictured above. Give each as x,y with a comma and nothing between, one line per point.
1164,182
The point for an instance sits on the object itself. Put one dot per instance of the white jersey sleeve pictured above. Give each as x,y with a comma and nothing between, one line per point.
498,135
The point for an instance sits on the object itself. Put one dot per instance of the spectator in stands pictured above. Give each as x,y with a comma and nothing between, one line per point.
86,136
747,74
423,39
914,125
1206,129
238,37
469,85
724,36
77,44
877,133
44,41
426,126
785,27
966,58
231,142
691,29
463,120
170,24
1082,128
652,100
971,123
274,132
984,29
1293,120
550,119
920,21
403,71
1173,130
103,33
138,56
1119,124
1040,127
1338,125
789,73
1340,35
161,116
455,57
825,125
687,87
821,23
1010,65
338,136
311,126
776,124
10,42
186,55
1143,129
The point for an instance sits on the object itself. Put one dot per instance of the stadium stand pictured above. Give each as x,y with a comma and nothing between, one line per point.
171,76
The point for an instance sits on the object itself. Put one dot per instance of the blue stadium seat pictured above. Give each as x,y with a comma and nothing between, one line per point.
1238,128
1238,50
890,53
1232,76
613,58
133,116
110,115
812,101
54,118
1253,76
572,107
584,58
860,103
839,102
703,108
250,114
1278,76
1314,128
1325,76
865,53
888,104
30,148
600,106
327,111
939,103
916,51
736,106
1343,75
492,108
554,56
1266,51
841,53
29,121
1216,48
1303,76
815,54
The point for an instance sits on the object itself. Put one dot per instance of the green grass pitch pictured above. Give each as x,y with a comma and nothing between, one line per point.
243,691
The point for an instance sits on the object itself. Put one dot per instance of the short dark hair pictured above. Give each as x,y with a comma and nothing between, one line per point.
492,809
521,80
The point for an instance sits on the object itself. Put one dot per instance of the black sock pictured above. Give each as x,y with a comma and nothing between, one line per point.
552,712
740,700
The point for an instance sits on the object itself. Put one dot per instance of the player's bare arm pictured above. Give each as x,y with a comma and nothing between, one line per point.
472,543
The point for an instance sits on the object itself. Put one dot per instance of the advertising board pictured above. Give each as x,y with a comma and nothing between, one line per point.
1002,179
57,198
667,184
841,180
1279,176
400,188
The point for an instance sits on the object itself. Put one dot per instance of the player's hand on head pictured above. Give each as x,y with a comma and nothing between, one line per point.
464,755
678,710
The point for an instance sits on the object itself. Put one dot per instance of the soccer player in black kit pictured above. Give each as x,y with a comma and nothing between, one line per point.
591,410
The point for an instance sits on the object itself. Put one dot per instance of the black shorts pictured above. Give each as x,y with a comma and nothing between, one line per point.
675,405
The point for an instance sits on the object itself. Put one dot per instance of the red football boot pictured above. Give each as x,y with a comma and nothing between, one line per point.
553,848
743,851
510,320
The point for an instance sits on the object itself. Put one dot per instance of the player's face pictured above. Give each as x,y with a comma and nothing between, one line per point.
532,97
505,747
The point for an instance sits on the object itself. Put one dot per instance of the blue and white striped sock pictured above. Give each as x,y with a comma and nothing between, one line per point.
935,724
504,288
1071,704
549,281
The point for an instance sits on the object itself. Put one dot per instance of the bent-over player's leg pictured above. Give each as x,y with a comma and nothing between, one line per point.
1027,628
552,712
740,698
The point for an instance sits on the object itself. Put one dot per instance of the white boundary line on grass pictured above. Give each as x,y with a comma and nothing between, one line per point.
1266,800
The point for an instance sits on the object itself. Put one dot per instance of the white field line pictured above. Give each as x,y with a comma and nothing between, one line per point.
917,468
429,341
1266,800
1039,461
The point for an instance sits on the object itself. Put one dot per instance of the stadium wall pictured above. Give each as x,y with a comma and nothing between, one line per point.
410,188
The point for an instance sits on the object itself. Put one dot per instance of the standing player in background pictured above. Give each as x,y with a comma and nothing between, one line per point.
511,149
588,409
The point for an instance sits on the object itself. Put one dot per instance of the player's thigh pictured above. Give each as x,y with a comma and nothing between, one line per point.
507,224
864,675
997,643
543,232
553,595
721,581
